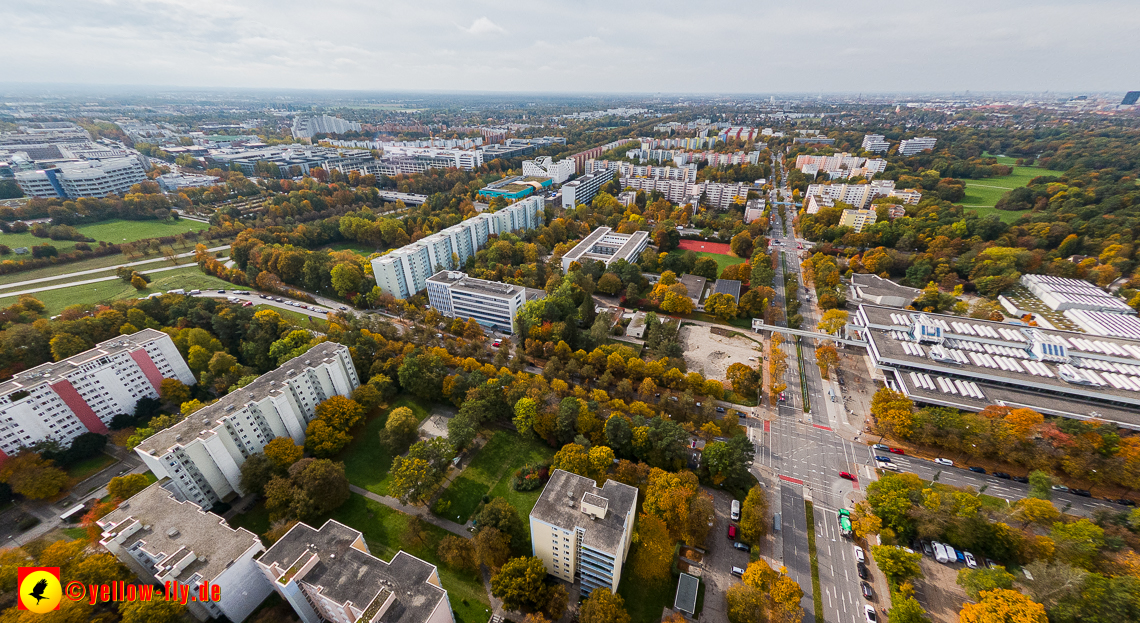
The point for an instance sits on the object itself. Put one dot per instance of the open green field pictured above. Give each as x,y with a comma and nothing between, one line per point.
490,473
982,195
108,262
298,319
366,460
89,467
115,231
722,261
357,247
187,278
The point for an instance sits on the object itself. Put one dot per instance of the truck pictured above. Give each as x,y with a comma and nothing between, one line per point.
845,522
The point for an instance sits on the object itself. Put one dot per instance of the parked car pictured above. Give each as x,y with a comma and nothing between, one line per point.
1124,502
880,446
741,546
720,409
978,470
1084,493
732,532
942,461
990,564
927,548
1022,479
960,555
970,562
1061,488
869,614
859,556
867,592
940,553
342,308
737,571
896,451
782,398
847,476
862,569
735,510
1002,475
885,459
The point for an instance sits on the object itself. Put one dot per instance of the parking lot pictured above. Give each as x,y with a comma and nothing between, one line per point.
719,559
938,592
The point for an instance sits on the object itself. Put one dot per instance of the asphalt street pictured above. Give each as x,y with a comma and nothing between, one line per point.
797,559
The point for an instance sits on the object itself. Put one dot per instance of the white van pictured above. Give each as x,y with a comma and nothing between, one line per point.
940,553
736,510
176,291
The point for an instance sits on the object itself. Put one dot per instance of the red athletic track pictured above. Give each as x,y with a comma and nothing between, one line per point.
719,248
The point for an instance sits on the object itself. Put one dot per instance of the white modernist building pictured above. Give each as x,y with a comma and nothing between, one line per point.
718,195
583,189
917,145
859,196
545,166
875,143
687,173
405,271
840,165
582,533
605,245
490,303
1062,294
162,539
84,392
91,178
329,576
308,127
202,455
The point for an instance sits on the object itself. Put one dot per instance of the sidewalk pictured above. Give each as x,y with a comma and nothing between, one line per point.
420,511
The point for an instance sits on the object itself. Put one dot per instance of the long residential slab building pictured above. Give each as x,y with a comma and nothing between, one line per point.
83,393
202,455
970,364
405,271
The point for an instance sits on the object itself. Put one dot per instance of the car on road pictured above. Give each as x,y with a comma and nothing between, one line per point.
970,561
1002,475
847,476
720,409
1022,479
884,459
862,569
732,533
867,592
737,571
262,296
859,556
782,397
1084,493
869,614
1061,488
342,308
978,470
1124,502
496,344
735,510
896,450
221,291
942,461
880,446
887,466
741,546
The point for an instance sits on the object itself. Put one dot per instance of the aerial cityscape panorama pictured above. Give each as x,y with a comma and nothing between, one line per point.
556,313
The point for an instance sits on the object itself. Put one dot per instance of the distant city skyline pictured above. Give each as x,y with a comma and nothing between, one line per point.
588,47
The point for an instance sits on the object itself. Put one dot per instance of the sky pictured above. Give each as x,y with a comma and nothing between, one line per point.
668,46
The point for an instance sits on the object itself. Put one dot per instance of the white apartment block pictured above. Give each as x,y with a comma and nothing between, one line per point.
916,145
544,166
686,173
161,539
202,455
90,178
329,576
490,303
858,196
583,189
582,533
718,195
84,392
858,219
308,127
466,159
405,271
842,164
875,143
605,245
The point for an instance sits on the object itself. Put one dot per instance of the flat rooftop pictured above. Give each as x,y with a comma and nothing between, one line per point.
727,286
460,281
201,423
561,505
51,372
623,246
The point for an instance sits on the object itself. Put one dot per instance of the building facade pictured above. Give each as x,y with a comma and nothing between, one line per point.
875,143
405,271
858,219
492,304
917,145
605,245
161,539
544,166
582,533
308,127
329,576
84,392
91,178
202,455
583,189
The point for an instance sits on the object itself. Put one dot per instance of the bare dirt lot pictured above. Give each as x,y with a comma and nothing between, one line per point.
938,591
711,354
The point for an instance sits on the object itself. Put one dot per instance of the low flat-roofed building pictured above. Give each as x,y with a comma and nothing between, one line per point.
1105,323
329,575
874,289
491,303
605,245
162,539
582,533
1062,293
694,285
970,364
637,325
727,286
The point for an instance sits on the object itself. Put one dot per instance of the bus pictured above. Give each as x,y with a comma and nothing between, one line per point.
844,522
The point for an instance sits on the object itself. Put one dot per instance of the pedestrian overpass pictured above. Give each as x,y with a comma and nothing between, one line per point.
817,335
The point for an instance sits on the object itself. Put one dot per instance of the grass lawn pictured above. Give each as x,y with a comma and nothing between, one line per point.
983,194
78,534
366,460
115,231
357,247
256,519
187,278
89,467
298,319
490,472
384,530
722,261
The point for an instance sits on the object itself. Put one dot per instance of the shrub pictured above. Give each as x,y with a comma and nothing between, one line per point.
530,477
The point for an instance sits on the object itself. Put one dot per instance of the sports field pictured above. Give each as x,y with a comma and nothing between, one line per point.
707,247
116,231
722,261
982,195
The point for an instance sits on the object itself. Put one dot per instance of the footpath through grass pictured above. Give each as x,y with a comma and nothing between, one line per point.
816,593
982,195
490,473
114,232
366,460
188,278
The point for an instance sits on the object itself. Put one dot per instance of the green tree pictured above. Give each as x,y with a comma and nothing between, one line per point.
294,344
255,473
705,267
754,515
1040,485
347,278
1079,542
124,487
974,581
727,461
401,429
283,452
492,547
906,609
652,554
500,514
521,582
603,606
64,345
896,563
526,412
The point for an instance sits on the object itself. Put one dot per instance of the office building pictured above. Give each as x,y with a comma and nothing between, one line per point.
605,245
202,455
290,160
162,539
405,271
970,364
83,393
858,219
1061,294
870,288
917,145
544,166
1107,324
329,576
308,127
582,533
173,182
583,189
492,304
875,143
90,178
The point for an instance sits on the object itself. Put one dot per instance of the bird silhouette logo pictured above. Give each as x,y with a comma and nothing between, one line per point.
39,589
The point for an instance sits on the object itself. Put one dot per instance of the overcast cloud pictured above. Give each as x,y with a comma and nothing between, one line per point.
578,45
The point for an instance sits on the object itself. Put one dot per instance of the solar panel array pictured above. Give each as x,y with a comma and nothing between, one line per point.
947,385
913,349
